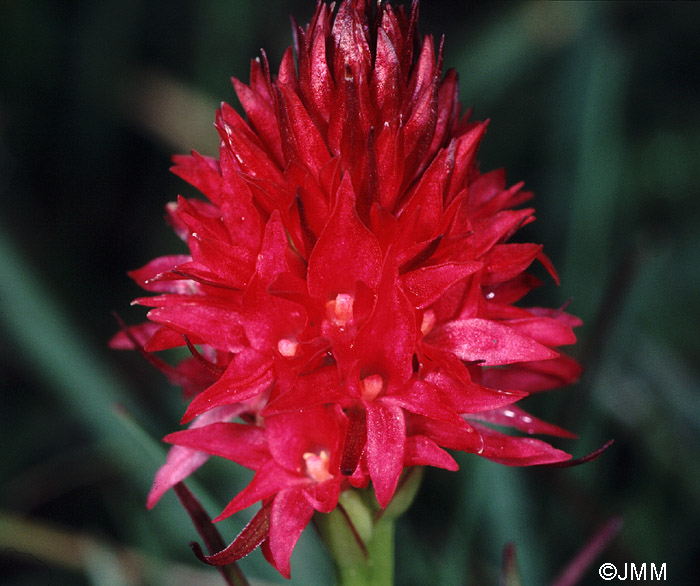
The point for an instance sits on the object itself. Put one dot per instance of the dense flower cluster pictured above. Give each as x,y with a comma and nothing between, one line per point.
349,293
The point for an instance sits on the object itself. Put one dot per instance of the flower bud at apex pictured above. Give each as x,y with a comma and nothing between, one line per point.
317,466
339,310
287,347
371,386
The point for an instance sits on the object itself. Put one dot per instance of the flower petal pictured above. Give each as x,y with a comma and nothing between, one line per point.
386,436
422,451
182,461
291,513
518,451
244,444
346,251
515,417
487,342
248,374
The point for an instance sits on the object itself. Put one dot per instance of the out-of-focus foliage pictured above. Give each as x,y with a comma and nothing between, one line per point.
594,105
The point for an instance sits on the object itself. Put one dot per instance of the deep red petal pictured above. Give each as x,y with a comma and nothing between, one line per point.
248,375
487,342
291,513
386,436
515,417
244,444
346,251
267,482
518,451
182,460
422,451
252,535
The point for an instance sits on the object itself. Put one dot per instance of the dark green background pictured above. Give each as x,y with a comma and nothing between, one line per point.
594,105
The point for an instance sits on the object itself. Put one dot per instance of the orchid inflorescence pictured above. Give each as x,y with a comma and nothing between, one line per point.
349,292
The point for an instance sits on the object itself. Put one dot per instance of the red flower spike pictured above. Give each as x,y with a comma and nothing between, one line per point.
350,289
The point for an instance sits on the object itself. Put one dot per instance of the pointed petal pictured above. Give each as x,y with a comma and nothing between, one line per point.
487,342
268,481
469,397
291,513
252,535
546,330
247,375
182,460
146,276
424,399
422,451
386,436
220,327
346,251
515,417
301,140
424,285
201,171
534,377
242,443
518,451
453,437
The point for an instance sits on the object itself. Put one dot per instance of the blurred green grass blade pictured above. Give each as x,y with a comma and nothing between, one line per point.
499,513
513,45
56,352
55,349
104,562
598,170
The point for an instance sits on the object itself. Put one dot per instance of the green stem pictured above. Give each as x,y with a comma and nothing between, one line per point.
360,536
376,568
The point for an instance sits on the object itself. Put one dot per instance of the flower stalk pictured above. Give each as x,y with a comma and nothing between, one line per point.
360,536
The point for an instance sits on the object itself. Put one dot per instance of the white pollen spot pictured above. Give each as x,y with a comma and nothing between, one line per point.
371,386
508,413
490,295
428,321
287,347
527,419
317,466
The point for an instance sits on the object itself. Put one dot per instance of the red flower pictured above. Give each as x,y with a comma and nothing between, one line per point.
349,283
